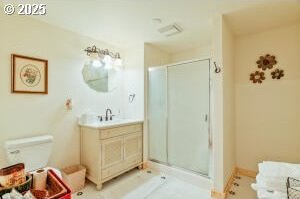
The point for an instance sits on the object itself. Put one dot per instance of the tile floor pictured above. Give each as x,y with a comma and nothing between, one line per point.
243,191
143,185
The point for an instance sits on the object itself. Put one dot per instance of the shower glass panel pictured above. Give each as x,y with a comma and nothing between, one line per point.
178,115
157,113
188,112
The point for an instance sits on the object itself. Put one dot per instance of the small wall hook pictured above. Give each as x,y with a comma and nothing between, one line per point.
131,97
69,104
217,68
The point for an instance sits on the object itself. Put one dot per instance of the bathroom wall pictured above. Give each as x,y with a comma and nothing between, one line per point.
155,56
229,151
191,54
134,81
222,104
268,114
25,115
217,108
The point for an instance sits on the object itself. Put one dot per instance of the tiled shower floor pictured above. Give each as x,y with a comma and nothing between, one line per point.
144,185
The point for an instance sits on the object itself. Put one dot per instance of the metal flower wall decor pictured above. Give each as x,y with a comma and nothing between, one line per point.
263,63
257,77
277,74
266,62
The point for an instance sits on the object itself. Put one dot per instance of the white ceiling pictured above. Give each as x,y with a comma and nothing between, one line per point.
127,22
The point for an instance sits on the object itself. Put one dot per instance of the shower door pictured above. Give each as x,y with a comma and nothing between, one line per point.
178,114
188,111
157,113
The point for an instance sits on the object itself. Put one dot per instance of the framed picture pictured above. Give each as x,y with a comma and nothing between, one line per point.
29,75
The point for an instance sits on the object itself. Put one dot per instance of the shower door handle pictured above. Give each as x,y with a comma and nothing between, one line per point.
209,139
209,132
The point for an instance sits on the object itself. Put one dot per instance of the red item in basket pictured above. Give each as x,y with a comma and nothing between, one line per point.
56,187
39,194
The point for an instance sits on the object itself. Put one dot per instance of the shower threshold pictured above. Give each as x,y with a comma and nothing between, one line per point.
188,176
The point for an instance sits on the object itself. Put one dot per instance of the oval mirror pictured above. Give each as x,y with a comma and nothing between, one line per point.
100,78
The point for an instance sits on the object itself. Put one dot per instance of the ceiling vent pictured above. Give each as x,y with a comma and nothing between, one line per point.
171,30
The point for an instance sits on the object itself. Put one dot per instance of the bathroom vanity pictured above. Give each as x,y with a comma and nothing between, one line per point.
111,148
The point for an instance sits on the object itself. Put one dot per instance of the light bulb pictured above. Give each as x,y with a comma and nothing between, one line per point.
107,59
108,66
108,62
96,63
118,62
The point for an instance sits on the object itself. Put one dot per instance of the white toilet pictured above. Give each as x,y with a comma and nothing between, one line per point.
34,152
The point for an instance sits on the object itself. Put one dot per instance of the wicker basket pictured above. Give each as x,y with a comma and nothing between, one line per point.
293,188
56,189
64,190
20,188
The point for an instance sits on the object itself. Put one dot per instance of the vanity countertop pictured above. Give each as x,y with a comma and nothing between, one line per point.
111,124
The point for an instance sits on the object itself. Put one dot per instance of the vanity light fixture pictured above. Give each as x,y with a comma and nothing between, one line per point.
103,57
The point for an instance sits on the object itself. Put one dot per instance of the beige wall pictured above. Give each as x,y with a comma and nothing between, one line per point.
191,54
268,115
154,56
25,115
134,81
229,153
217,108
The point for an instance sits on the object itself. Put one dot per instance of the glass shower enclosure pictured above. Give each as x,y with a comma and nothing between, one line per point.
178,115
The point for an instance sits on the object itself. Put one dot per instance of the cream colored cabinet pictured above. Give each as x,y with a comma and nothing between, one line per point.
109,152
112,151
132,145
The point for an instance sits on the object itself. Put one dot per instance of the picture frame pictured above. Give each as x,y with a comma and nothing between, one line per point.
29,75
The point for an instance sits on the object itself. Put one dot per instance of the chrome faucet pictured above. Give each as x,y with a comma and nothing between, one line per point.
108,117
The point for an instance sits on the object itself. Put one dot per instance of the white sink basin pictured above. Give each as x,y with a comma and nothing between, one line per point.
110,123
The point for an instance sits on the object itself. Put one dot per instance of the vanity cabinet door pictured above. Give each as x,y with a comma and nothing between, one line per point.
132,145
112,151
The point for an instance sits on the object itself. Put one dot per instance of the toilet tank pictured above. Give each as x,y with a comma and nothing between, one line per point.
34,152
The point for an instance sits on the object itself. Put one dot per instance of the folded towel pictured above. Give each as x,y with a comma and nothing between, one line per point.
262,194
272,177
257,187
278,169
275,183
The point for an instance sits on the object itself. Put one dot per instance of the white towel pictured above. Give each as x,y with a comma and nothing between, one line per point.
278,169
262,194
275,183
272,178
257,187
